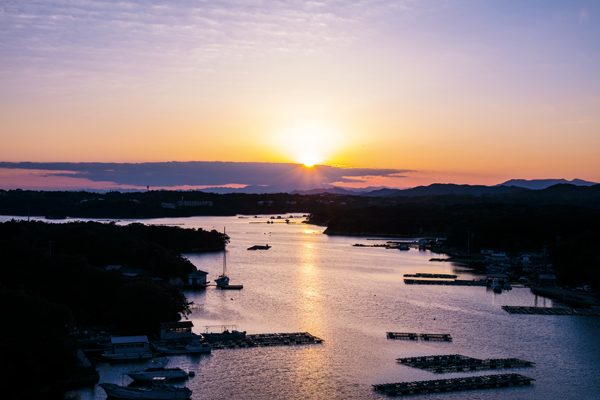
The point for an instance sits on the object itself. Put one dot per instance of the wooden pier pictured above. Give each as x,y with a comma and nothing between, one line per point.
588,312
435,276
457,363
456,282
444,337
232,341
453,385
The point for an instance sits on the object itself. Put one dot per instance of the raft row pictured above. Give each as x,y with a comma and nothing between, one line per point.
262,339
459,363
552,311
445,337
436,276
456,282
453,385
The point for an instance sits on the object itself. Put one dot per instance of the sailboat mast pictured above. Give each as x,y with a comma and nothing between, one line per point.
224,252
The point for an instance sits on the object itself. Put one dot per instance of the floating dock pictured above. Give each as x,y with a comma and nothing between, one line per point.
456,282
232,341
588,312
435,276
457,363
444,337
453,385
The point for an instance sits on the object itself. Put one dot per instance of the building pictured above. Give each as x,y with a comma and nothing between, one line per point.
197,278
130,345
176,330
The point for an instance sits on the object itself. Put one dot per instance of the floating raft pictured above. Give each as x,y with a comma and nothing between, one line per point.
453,385
439,282
445,337
590,312
435,276
458,363
232,341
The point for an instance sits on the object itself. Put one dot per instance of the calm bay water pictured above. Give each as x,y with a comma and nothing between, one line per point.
350,297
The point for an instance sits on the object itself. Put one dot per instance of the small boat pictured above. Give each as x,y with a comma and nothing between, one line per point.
160,390
156,369
192,348
223,280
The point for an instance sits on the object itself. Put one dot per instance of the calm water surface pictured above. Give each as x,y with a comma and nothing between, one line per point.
350,297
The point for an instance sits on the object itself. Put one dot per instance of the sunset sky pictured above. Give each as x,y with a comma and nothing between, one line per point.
384,93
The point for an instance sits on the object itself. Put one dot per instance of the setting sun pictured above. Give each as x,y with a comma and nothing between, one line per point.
308,143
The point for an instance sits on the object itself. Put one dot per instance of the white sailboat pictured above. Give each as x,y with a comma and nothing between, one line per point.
223,280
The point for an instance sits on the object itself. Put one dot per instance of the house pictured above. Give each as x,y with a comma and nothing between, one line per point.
176,330
127,345
197,278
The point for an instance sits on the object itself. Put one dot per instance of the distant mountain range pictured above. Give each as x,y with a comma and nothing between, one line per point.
436,189
536,184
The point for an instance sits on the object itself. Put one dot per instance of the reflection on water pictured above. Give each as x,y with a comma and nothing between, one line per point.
350,297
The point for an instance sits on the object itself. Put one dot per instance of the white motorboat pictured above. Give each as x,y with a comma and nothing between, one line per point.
156,369
160,390
192,348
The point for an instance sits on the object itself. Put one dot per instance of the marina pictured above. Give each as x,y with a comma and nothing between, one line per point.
444,337
453,385
459,363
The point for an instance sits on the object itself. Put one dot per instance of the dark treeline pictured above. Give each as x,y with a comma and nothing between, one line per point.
154,204
564,219
53,282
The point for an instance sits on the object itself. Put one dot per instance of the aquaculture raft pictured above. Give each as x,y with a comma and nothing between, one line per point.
458,363
445,337
435,276
456,282
552,311
452,385
232,341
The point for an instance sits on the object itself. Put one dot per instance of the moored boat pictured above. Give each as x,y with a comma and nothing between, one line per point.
192,348
160,390
156,369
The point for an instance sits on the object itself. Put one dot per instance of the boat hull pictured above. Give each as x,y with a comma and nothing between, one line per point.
127,357
120,392
149,375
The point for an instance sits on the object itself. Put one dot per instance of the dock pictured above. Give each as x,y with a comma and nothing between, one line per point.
458,363
444,337
453,385
434,276
455,282
588,312
232,341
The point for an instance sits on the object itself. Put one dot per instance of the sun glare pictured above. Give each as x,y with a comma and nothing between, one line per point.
309,144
